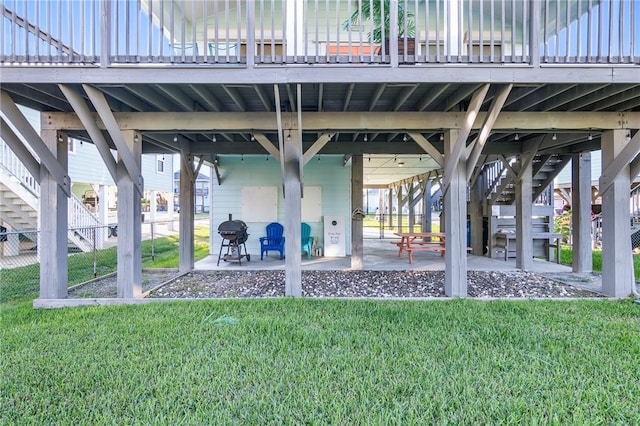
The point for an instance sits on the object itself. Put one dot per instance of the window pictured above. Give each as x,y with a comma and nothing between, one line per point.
160,164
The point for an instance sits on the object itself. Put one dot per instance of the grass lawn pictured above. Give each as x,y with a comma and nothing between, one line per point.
24,282
289,361
566,258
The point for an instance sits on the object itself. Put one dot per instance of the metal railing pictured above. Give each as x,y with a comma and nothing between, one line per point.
249,33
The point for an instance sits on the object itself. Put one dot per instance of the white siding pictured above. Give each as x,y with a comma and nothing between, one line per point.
328,173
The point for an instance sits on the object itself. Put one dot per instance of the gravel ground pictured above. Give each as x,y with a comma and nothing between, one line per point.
208,284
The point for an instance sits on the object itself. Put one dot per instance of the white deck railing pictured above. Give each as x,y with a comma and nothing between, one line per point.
250,33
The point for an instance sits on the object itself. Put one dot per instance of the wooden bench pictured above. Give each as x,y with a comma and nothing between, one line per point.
506,242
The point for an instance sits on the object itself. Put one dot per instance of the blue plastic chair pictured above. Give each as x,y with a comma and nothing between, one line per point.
307,239
273,241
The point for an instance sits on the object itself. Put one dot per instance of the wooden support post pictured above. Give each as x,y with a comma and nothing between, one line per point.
357,251
399,209
390,208
410,204
129,279
455,208
616,245
524,211
186,218
475,216
581,212
427,206
293,214
52,244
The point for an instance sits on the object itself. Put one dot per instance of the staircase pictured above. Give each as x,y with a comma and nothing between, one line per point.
19,203
499,179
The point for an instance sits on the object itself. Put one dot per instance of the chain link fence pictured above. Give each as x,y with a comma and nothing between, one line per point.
92,253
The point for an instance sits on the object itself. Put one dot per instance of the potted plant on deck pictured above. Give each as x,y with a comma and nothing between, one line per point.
378,13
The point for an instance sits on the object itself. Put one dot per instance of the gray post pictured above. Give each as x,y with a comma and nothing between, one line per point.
129,255
186,218
524,211
455,209
412,212
581,212
616,244
52,245
390,208
293,214
475,213
399,201
357,251
427,206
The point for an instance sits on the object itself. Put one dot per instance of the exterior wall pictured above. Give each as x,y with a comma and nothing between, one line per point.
329,173
154,180
563,180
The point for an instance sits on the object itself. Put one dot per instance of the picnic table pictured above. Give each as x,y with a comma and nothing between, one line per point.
416,241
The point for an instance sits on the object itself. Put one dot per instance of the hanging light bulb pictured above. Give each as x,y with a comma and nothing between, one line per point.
441,136
252,137
590,137
628,136
318,157
289,136
242,158
267,159
395,158
404,138
369,157
175,138
365,137
421,158
554,137
214,139
517,137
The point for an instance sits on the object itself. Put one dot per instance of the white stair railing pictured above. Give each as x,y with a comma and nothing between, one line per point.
81,221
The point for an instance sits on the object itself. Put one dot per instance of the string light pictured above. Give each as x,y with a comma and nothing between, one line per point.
365,137
517,137
252,137
175,138
554,137
289,136
404,138
441,136
590,137
214,139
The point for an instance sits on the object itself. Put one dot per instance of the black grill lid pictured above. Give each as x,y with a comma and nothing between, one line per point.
232,227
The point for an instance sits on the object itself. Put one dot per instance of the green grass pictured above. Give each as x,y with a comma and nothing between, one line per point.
24,282
566,258
299,361
371,222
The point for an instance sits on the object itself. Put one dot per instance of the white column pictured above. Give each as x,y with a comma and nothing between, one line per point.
129,277
616,242
103,216
455,215
581,212
294,27
293,214
186,248
357,250
10,247
212,174
153,205
524,211
52,245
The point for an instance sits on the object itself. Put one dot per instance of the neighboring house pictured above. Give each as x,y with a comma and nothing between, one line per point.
94,192
200,193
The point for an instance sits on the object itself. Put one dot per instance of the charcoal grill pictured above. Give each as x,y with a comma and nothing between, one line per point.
234,235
